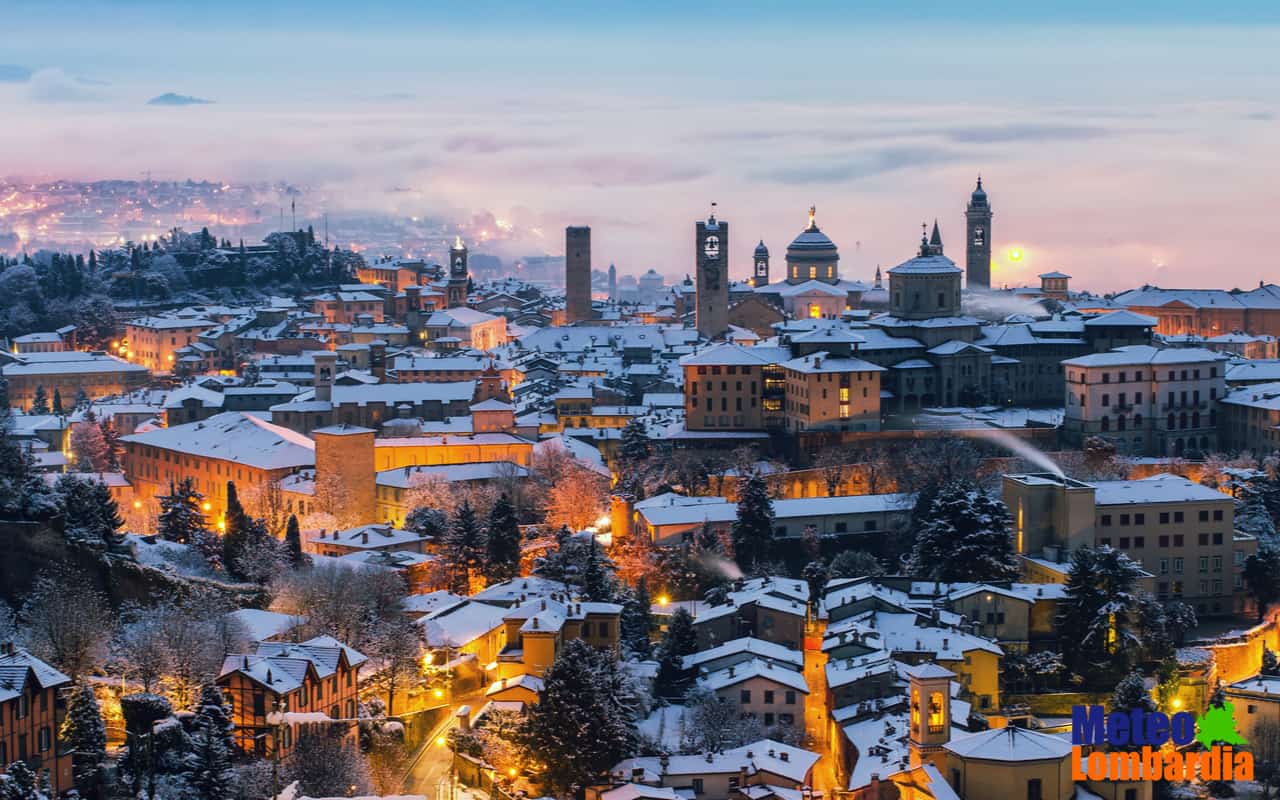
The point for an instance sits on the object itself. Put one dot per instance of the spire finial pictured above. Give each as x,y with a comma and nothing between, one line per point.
813,212
979,180
712,218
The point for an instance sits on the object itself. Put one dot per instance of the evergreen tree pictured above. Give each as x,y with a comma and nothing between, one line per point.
854,564
235,537
207,767
425,521
1270,664
503,542
1219,698
57,408
752,530
90,514
85,733
293,542
111,441
40,401
679,641
465,549
965,537
1094,616
20,782
88,446
1131,694
1262,576
598,584
584,723
181,516
637,620
82,400
815,575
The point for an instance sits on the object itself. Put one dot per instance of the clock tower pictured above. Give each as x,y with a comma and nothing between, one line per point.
456,289
712,261
977,264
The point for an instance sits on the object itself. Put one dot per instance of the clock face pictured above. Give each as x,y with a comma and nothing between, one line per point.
761,267
457,262
711,246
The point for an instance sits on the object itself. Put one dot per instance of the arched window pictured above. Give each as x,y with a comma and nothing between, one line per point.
1106,424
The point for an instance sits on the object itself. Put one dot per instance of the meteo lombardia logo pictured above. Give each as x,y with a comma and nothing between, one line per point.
1145,746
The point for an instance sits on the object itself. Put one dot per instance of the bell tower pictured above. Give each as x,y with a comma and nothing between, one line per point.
930,694
761,275
712,259
977,264
459,275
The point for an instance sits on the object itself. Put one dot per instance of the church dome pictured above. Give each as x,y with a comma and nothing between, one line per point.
979,196
761,250
812,242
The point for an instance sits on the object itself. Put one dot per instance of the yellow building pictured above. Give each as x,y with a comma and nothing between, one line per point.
832,393
154,342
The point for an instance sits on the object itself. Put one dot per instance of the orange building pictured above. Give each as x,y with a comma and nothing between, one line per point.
30,715
233,446
154,342
315,684
98,374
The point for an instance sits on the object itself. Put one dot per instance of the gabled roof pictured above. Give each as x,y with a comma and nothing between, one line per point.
19,666
234,436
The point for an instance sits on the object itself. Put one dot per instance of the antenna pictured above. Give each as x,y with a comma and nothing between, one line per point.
326,229
293,211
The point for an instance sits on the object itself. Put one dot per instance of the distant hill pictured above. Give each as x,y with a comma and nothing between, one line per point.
172,99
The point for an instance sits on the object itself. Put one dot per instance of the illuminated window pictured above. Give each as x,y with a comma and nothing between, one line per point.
815,312
844,394
937,713
813,272
915,710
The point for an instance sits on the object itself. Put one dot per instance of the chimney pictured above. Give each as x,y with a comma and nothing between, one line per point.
784,755
364,538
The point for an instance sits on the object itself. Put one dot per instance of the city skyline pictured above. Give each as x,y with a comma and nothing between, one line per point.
634,124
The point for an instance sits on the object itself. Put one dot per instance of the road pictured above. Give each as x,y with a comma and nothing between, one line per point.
817,722
430,763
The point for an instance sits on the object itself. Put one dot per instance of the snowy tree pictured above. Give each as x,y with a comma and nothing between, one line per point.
90,514
965,537
855,564
88,446
1094,616
40,401
634,442
1162,626
598,583
1262,577
1131,695
815,576
584,723
502,542
85,733
339,600
20,782
395,648
66,621
111,441
1270,663
23,491
578,499
325,765
261,556
427,521
142,649
637,621
835,467
464,550
712,725
752,530
56,407
293,544
236,533
579,562
678,641
82,401
181,516
208,766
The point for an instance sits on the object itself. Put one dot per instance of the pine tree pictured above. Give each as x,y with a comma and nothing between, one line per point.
293,542
40,401
111,441
20,782
679,641
503,542
1095,614
598,584
752,530
1270,663
208,768
1131,694
85,733
82,400
57,408
637,620
464,549
181,516
584,723
236,534
965,536
90,514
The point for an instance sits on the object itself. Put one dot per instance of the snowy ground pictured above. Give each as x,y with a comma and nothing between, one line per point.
665,726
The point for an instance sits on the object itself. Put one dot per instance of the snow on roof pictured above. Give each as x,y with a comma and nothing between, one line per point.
639,791
1140,354
746,645
1258,684
726,354
1125,318
259,624
1259,395
430,602
1010,744
692,513
755,668
520,589
844,671
460,624
388,394
1162,488
531,682
404,477
17,666
766,755
71,362
821,363
910,632
372,536
234,436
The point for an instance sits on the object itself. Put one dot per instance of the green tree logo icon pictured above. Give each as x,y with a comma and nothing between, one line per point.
1218,724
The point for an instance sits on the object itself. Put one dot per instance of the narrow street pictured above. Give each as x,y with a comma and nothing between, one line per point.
818,722
430,763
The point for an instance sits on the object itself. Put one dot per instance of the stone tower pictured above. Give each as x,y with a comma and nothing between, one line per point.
761,275
930,698
459,275
613,282
712,261
324,369
345,474
977,265
577,273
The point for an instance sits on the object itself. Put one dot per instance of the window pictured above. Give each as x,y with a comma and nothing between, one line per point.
1177,516
45,739
1177,540
1204,516
1177,569
1124,519
1139,542
768,697
697,785
1124,542
1139,519
1034,790
1106,520
1202,539
1204,563
1163,541
1217,538
790,697
744,696
1164,566
1217,515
